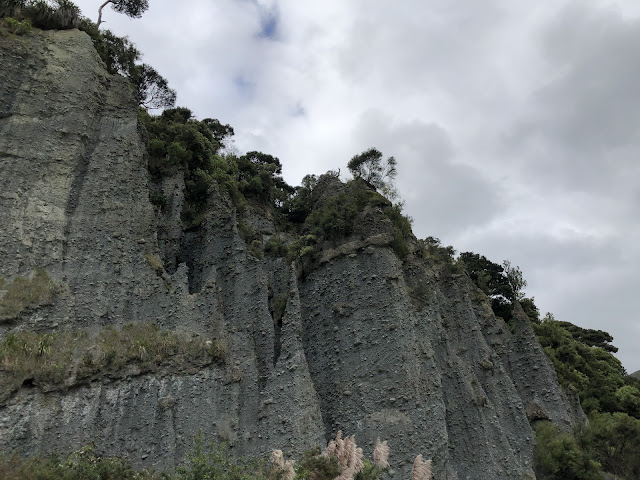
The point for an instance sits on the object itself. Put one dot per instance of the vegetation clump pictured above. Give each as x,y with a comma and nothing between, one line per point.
607,444
17,27
504,285
83,464
118,54
25,293
584,363
336,216
208,460
62,359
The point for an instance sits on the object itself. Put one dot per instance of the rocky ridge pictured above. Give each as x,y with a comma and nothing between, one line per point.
368,343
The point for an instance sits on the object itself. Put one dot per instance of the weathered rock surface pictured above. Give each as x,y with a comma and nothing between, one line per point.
368,344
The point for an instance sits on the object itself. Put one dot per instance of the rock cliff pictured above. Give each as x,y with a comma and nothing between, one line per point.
368,344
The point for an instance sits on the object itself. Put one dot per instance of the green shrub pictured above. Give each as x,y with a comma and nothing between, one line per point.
335,219
276,246
212,461
304,246
81,465
17,27
177,142
613,439
60,15
25,293
315,466
558,456
369,471
593,373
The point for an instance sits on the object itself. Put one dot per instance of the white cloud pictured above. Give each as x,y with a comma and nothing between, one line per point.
515,124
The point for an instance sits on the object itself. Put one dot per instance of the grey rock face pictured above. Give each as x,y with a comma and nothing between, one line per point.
368,344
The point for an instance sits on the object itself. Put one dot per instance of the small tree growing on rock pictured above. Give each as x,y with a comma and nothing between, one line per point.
380,173
131,8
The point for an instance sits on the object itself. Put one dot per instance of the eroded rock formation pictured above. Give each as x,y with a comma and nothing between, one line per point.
368,343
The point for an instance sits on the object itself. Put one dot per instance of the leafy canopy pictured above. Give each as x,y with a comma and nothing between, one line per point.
371,167
131,8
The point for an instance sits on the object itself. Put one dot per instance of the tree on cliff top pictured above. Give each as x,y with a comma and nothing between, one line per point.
380,173
131,8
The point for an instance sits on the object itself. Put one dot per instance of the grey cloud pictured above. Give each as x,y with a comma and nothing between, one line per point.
442,196
584,121
515,124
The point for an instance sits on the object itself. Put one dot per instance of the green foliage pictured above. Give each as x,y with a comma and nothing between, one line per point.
151,89
131,8
401,229
252,239
369,471
28,293
593,338
55,359
158,199
178,142
209,461
300,203
439,256
17,27
206,460
81,465
503,283
259,176
118,53
335,219
593,372
11,8
315,466
488,276
530,309
120,56
379,173
304,246
613,439
558,456
515,280
57,15
276,246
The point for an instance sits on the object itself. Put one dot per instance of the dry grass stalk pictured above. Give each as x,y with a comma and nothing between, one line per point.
421,469
381,454
350,457
284,467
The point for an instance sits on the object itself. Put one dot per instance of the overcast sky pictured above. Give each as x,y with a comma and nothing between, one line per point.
516,124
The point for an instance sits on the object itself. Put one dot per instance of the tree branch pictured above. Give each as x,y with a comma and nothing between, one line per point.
100,11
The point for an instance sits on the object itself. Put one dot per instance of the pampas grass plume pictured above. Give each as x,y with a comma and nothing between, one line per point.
421,469
381,454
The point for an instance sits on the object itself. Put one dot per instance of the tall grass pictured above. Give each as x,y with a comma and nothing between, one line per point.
24,293
56,360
